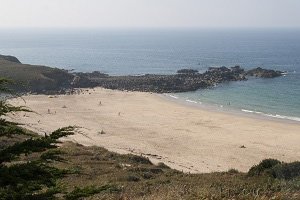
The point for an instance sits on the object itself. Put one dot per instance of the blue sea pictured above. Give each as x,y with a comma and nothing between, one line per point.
164,51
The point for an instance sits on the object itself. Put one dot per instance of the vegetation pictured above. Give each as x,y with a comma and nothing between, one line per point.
133,178
33,78
276,169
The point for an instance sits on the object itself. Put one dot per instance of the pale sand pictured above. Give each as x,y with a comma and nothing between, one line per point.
185,138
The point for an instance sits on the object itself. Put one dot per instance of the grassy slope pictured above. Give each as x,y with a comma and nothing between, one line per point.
32,77
137,178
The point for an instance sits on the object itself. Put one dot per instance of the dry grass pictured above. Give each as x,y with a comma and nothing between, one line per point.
136,178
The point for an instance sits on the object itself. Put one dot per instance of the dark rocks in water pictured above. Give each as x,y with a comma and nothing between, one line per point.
187,71
153,83
10,58
219,69
186,80
264,73
237,69
223,74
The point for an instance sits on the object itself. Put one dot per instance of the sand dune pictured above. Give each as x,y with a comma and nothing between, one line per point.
183,137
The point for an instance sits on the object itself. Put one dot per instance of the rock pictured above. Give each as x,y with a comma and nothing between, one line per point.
264,73
237,69
185,80
219,69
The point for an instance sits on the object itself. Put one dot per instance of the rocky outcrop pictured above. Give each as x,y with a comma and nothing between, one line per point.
264,73
152,83
185,80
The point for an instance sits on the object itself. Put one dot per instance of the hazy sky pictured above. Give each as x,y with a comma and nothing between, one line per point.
149,13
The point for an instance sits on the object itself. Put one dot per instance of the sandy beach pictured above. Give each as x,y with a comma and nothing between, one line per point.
183,137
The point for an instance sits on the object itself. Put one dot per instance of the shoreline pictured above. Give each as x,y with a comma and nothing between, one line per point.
231,110
182,137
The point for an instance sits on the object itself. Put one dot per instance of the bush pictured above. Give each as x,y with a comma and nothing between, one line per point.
79,193
233,171
276,169
163,165
286,170
140,159
133,178
263,167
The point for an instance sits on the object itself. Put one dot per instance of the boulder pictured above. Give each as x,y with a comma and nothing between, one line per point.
264,73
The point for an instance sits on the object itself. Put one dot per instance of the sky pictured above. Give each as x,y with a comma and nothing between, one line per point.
149,13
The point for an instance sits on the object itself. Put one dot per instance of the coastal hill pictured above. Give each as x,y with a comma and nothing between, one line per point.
47,80
9,58
33,78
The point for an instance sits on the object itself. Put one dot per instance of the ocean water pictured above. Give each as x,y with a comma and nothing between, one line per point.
120,52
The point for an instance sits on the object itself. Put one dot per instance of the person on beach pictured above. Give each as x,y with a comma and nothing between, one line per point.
48,111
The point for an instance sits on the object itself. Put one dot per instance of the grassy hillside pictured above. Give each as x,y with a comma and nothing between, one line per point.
10,58
33,78
134,177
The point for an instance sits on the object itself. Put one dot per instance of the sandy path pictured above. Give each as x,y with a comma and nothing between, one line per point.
185,138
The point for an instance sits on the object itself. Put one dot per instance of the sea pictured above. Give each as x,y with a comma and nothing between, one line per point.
164,51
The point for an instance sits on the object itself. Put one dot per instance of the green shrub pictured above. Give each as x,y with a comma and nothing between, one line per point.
163,165
276,169
286,170
79,193
263,167
133,178
140,159
233,171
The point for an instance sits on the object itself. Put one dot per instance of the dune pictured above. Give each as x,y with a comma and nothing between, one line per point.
183,137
